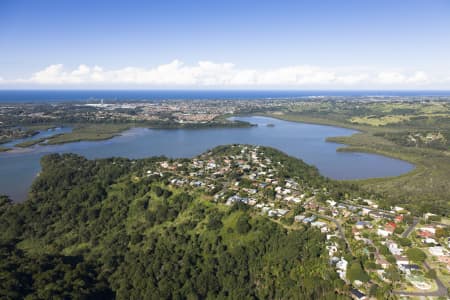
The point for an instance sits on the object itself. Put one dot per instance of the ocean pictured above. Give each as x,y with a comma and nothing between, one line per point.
24,96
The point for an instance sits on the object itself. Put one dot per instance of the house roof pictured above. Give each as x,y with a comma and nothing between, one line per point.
357,293
411,267
391,224
424,233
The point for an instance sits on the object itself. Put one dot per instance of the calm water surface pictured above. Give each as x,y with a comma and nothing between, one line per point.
305,141
41,135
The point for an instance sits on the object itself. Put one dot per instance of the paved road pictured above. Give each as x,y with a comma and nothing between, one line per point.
410,228
338,225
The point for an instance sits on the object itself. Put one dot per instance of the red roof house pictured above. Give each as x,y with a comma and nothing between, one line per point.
390,227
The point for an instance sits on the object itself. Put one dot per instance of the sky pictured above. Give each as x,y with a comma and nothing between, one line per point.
229,44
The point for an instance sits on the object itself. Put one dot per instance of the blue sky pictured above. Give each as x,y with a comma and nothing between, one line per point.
225,44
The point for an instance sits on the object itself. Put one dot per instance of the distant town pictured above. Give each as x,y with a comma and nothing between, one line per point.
19,120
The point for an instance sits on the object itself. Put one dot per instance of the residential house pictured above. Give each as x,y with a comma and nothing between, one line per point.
341,267
430,241
383,233
390,227
299,218
398,218
407,268
357,294
401,260
437,251
393,248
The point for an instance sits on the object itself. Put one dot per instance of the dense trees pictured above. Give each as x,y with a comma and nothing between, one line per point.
48,276
242,224
95,229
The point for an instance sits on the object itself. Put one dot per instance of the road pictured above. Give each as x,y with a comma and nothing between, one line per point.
440,292
338,226
410,228
371,208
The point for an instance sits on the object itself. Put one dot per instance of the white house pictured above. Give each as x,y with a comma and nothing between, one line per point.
299,218
394,249
383,233
437,251
341,267
401,260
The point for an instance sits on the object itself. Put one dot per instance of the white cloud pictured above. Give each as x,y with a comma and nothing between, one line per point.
419,78
352,79
391,78
223,75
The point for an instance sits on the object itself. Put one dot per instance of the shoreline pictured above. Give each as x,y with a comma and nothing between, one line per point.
42,150
420,184
343,140
91,133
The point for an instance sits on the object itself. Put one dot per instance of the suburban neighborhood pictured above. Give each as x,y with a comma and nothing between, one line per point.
370,248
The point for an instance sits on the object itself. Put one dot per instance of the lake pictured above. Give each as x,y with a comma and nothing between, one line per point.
304,141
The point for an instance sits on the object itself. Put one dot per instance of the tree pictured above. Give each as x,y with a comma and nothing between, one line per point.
4,200
215,222
390,258
373,290
404,242
393,274
416,255
356,272
158,191
408,219
399,230
441,232
242,224
124,245
384,250
431,274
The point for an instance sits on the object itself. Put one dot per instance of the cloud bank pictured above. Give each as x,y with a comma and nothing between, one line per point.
207,74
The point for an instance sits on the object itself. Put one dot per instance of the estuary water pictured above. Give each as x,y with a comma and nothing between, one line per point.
43,134
304,141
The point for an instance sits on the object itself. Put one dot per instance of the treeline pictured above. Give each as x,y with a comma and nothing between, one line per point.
94,229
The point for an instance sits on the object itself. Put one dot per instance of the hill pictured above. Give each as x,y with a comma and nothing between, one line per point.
134,229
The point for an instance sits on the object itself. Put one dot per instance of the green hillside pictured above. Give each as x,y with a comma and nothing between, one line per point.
101,229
